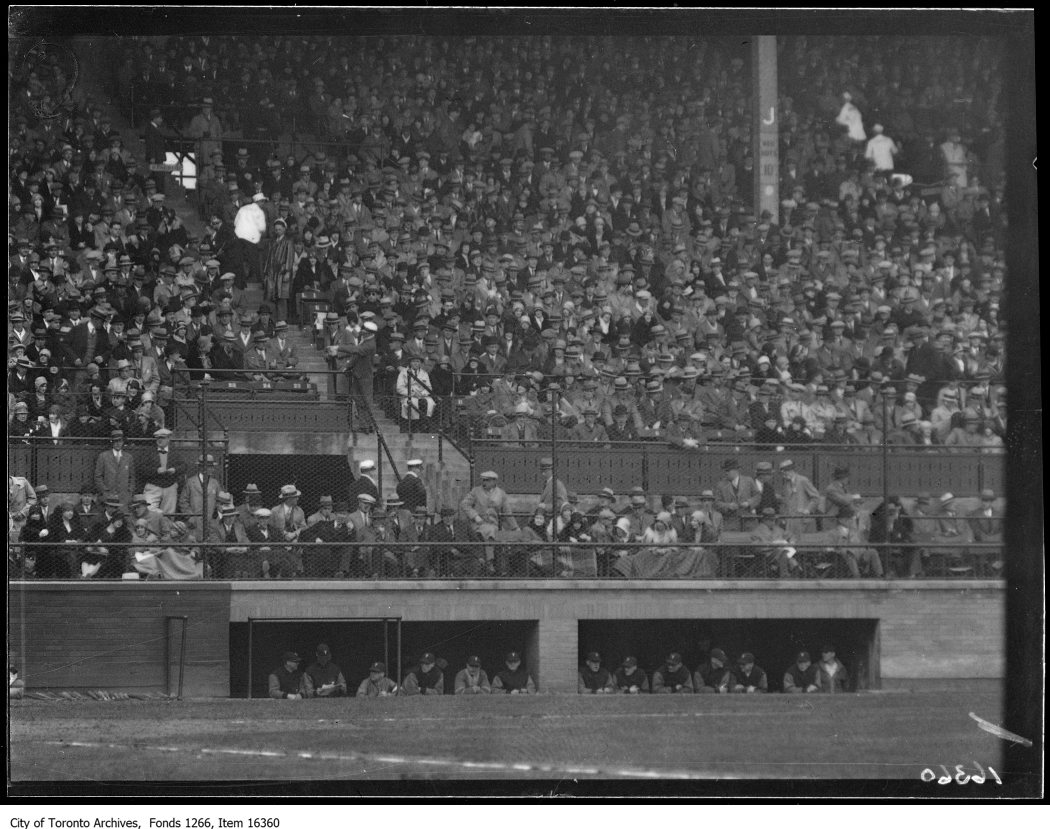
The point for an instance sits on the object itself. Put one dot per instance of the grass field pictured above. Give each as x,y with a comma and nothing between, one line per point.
863,736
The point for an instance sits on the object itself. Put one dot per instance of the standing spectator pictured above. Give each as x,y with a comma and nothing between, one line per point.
593,678
834,679
880,151
487,507
156,147
802,677
411,489
377,683
850,118
748,678
201,491
207,129
955,158
514,678
799,499
323,678
115,470
286,680
734,493
672,677
160,472
278,268
472,679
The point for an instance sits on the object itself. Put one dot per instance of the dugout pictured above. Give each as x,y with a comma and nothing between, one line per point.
774,642
256,646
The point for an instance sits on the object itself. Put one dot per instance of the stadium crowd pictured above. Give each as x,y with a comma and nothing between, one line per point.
524,237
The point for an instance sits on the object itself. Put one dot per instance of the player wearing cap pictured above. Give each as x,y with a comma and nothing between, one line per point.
473,679
802,677
286,680
748,678
713,676
323,678
593,678
672,677
630,679
424,679
377,683
514,678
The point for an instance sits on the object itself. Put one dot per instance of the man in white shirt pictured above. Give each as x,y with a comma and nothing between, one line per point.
881,150
849,117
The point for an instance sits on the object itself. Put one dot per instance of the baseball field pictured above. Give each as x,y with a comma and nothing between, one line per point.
876,735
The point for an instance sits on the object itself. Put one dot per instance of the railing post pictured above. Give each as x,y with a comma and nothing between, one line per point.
203,431
409,407
885,487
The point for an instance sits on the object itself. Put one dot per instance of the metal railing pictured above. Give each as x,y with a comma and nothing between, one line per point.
379,558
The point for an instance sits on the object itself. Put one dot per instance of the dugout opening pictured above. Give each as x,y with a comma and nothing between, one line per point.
774,642
256,647
455,642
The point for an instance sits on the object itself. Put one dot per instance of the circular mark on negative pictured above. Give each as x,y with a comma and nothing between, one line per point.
50,71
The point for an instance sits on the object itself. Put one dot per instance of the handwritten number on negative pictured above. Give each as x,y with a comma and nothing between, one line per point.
962,777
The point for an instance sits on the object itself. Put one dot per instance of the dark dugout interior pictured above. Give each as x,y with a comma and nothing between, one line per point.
774,642
357,644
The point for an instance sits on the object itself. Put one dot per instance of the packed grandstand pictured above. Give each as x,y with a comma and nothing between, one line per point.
543,244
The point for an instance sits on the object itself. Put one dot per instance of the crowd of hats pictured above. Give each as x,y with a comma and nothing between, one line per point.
631,217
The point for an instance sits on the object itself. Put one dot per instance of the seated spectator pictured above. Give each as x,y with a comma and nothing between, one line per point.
845,540
776,545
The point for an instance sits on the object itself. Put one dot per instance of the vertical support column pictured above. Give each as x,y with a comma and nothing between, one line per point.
554,655
766,129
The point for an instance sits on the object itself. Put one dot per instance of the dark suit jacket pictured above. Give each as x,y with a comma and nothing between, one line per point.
412,491
155,144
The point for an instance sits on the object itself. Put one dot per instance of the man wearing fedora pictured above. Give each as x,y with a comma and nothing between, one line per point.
287,520
200,493
160,472
99,560
736,493
115,469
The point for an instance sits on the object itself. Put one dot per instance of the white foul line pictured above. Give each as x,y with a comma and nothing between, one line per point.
567,770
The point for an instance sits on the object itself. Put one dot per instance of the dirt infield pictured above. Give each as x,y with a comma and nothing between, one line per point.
862,736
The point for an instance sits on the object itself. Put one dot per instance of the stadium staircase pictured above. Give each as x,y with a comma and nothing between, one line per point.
446,470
